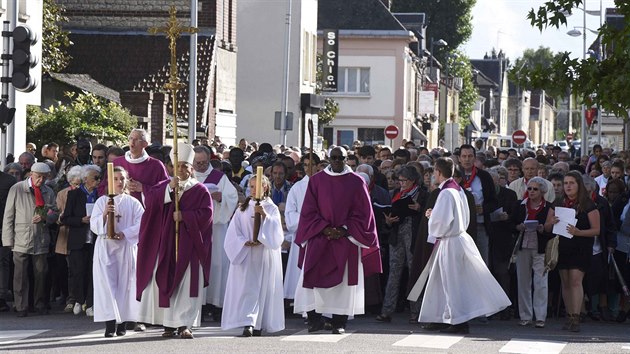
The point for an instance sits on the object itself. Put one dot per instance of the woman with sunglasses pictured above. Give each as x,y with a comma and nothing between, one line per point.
574,254
76,217
530,218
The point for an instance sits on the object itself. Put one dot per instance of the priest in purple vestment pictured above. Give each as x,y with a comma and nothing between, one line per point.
338,245
171,280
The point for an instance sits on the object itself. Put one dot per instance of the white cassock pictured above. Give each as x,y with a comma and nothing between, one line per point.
459,287
292,219
253,296
222,214
114,267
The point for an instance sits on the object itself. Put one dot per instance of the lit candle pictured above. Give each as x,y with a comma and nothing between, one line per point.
110,178
259,188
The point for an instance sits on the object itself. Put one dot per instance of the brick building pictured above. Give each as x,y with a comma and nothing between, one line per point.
112,45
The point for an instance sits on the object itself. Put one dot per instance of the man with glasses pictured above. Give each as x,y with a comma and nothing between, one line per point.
530,170
338,245
224,200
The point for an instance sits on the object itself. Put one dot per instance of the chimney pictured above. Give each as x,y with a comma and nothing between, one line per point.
150,108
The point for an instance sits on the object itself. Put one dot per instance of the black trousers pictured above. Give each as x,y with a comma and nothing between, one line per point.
80,285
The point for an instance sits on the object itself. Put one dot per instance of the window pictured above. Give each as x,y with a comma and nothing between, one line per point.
345,137
354,80
371,136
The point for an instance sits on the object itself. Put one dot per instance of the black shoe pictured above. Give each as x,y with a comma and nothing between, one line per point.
435,326
248,331
22,313
121,330
317,326
623,315
340,330
110,328
257,332
461,328
3,306
384,318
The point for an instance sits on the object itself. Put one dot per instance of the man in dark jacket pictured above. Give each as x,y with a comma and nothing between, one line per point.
6,182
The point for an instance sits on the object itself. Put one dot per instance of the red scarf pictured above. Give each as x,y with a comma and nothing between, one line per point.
400,193
469,181
533,213
570,203
594,197
39,198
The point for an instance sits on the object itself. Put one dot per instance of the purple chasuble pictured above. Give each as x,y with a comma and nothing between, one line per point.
336,201
195,242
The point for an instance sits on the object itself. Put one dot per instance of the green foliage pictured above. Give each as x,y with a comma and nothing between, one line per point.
331,107
459,66
87,116
55,39
605,82
448,20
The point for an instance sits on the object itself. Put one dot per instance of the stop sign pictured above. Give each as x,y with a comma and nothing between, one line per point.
519,137
391,131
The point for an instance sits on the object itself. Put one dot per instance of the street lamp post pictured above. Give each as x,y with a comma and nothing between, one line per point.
439,43
575,33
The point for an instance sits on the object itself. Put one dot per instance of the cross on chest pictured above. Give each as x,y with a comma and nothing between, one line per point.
118,218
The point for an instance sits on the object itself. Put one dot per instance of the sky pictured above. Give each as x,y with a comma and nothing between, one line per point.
503,24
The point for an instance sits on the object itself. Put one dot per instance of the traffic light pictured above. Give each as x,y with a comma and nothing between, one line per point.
6,116
23,59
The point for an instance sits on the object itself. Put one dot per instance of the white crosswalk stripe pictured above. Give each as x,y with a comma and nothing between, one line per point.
526,346
304,336
428,341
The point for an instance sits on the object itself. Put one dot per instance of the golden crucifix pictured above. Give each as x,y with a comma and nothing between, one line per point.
173,30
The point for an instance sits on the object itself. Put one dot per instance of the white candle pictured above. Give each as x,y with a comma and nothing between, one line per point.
110,178
259,189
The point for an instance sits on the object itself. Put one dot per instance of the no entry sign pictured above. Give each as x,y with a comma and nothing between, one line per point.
391,131
519,137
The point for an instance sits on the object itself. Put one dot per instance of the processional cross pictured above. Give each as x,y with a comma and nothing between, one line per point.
173,31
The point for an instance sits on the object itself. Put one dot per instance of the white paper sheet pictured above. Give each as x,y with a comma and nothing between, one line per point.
530,225
567,217
88,208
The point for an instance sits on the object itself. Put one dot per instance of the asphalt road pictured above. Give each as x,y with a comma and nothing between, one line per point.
61,332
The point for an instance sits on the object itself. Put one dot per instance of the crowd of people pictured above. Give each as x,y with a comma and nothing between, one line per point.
327,235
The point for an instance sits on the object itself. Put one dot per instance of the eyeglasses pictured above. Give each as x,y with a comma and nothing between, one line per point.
337,158
532,189
96,178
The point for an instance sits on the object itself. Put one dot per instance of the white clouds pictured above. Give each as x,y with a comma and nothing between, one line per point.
503,24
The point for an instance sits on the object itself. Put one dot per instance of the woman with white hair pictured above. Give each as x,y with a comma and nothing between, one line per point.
76,216
530,218
114,268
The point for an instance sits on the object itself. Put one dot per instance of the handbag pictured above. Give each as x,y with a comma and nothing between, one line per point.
551,253
61,246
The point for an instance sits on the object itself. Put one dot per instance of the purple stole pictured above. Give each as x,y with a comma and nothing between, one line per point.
450,183
214,177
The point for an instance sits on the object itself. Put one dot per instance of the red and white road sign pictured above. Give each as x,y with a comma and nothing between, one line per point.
391,131
519,137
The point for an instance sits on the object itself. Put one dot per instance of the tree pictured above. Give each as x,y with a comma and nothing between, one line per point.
458,65
604,82
86,116
331,107
54,39
447,20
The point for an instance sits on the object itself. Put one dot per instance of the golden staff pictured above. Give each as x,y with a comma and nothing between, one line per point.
173,30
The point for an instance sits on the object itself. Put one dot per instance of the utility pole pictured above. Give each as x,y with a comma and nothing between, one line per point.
285,86
192,81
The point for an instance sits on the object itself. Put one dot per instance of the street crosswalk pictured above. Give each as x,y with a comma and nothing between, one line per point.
44,338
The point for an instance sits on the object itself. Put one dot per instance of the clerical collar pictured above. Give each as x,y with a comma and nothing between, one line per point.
345,171
201,176
187,184
140,159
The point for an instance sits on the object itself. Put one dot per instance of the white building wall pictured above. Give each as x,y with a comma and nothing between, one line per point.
261,51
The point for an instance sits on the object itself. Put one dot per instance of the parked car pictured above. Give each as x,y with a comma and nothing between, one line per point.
562,144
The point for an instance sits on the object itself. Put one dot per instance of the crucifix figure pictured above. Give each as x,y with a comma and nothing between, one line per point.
173,30
118,218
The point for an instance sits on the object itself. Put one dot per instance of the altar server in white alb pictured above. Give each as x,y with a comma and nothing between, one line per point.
224,201
460,287
253,297
114,267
